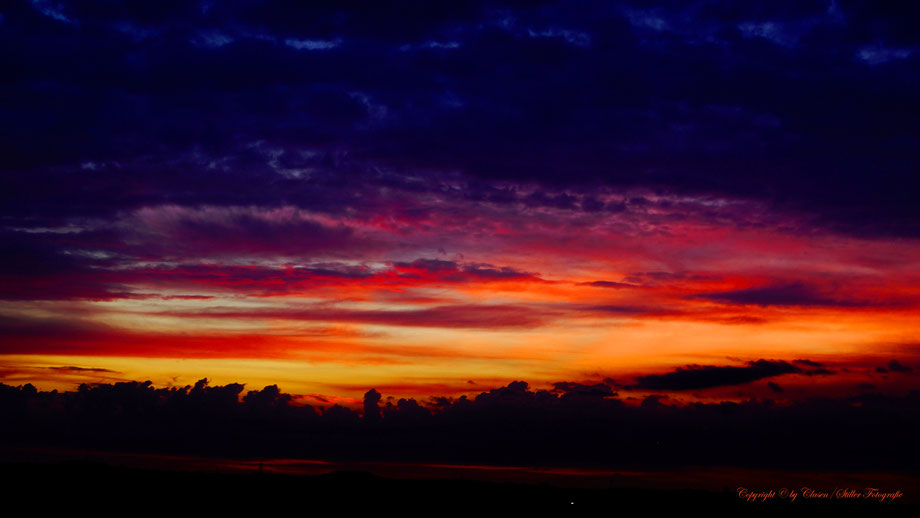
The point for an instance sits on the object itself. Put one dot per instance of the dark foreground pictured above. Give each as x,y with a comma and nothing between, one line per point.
96,486
88,485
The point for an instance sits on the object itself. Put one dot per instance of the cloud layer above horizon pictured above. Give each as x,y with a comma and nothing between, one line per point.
439,198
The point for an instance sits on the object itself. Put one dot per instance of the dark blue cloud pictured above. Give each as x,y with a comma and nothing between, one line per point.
809,106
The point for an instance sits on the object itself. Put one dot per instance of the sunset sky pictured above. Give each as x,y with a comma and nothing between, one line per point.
701,200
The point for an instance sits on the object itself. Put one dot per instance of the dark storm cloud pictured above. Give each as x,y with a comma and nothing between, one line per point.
693,377
806,105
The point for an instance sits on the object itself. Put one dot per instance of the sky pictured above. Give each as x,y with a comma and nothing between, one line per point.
695,201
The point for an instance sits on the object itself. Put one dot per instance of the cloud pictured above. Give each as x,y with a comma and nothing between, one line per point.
694,377
42,273
312,44
451,271
284,81
608,284
896,366
71,368
52,10
464,316
572,389
781,294
879,55
808,363
819,372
